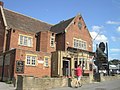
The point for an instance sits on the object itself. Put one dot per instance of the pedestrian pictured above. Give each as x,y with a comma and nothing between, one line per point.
79,75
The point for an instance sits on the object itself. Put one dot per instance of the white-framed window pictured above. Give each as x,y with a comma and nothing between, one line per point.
25,40
83,62
52,40
80,44
31,60
46,61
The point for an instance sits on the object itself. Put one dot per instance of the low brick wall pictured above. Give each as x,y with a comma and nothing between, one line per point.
84,80
107,78
34,83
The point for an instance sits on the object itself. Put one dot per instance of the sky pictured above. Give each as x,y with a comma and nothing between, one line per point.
102,17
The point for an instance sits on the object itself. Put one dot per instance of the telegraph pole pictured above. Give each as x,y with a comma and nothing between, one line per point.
107,58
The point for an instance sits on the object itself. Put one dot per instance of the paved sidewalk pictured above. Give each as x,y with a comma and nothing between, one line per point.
4,86
107,85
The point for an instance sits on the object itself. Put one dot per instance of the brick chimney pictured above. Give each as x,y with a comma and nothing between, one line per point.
1,3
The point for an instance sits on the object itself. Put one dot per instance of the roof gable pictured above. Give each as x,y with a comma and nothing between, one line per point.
60,27
22,22
85,26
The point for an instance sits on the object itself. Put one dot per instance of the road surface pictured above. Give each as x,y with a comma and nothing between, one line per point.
107,85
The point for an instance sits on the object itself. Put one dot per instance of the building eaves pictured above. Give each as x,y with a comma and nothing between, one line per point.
25,23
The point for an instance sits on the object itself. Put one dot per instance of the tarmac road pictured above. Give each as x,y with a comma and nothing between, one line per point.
107,85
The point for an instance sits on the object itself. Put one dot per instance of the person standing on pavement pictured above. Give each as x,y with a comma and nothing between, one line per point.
79,75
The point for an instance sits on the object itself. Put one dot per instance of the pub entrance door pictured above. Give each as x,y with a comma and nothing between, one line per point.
66,67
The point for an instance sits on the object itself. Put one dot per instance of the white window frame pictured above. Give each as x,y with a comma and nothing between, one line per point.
52,41
25,40
80,44
31,60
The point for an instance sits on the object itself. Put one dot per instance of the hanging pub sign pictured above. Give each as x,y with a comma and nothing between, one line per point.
102,46
19,66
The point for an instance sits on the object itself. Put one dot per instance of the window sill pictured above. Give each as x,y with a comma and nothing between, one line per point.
31,65
46,66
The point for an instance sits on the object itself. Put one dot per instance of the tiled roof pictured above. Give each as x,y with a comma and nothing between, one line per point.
60,27
25,23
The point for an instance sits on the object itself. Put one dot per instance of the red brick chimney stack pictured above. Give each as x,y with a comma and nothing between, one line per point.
1,3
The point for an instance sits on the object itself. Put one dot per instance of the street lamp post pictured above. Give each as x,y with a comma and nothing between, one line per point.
107,59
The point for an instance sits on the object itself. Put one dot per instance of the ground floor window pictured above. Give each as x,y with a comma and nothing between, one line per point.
83,62
31,60
46,61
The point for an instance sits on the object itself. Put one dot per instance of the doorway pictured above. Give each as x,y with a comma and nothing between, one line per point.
66,67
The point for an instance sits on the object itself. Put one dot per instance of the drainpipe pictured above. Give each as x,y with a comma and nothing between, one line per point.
107,59
2,77
5,23
4,44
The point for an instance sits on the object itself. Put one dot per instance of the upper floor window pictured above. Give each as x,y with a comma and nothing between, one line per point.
25,40
52,40
31,60
80,44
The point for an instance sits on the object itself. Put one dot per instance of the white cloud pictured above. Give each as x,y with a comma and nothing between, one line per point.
115,38
114,54
96,28
98,37
115,50
118,29
113,22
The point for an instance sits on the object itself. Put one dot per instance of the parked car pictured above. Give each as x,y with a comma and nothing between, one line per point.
118,71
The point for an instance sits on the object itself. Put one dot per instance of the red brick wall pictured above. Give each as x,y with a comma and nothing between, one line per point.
74,32
39,70
45,50
45,42
60,41
14,39
2,31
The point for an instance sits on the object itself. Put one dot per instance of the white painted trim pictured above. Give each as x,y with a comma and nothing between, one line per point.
3,15
70,24
72,21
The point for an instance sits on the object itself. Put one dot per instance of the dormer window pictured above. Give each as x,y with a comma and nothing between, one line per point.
52,40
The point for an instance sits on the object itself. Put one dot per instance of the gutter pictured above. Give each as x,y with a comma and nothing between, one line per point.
3,16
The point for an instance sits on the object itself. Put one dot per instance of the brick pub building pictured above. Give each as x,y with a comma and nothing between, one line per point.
35,48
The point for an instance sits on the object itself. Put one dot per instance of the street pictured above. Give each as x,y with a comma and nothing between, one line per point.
107,85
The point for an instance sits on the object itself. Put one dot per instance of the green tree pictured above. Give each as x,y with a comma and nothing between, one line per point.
114,61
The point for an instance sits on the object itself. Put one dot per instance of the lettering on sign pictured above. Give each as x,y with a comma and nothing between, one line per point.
40,61
20,66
